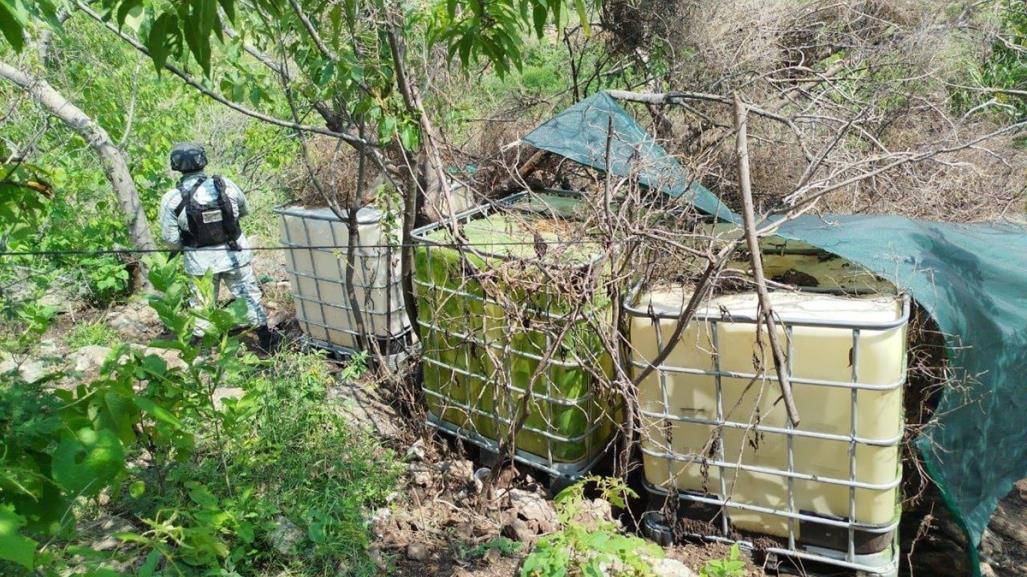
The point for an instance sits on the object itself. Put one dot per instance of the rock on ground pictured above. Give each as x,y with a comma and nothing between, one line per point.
285,535
1004,544
108,527
595,512
134,322
671,568
518,530
29,370
417,552
171,357
528,516
88,359
535,510
366,407
222,393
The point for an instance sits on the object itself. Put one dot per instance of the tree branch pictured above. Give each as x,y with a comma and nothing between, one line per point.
115,166
676,97
309,27
752,240
349,138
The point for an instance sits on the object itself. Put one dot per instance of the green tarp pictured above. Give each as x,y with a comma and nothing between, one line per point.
971,278
584,131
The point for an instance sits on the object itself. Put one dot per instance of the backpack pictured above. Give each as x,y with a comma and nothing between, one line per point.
210,223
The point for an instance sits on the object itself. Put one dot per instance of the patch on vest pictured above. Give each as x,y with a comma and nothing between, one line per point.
210,216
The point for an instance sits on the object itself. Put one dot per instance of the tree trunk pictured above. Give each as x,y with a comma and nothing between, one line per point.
112,158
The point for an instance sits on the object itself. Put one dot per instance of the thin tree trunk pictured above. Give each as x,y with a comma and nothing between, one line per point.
353,239
111,157
431,161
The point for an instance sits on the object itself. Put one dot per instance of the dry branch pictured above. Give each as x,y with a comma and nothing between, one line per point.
752,240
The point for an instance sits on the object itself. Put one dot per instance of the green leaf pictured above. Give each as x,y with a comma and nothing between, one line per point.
201,495
15,547
579,5
137,489
168,344
129,537
13,19
316,532
229,7
125,8
102,572
197,29
162,39
539,15
409,137
48,11
122,414
351,13
326,73
86,463
592,568
158,412
150,564
154,365
464,49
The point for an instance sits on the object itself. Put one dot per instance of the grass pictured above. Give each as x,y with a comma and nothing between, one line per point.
311,467
92,333
285,488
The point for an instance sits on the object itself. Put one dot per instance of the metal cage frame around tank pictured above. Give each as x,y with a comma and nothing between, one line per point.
390,344
884,562
548,463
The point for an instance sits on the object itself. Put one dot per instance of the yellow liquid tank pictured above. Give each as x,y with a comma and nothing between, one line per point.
713,429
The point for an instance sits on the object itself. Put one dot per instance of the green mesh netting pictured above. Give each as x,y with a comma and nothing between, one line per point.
971,278
584,131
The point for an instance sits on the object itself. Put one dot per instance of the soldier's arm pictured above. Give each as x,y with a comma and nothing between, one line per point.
240,199
169,230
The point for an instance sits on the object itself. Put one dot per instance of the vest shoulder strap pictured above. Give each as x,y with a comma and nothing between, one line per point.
187,195
230,220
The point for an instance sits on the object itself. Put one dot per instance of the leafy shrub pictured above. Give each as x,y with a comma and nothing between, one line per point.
590,551
24,323
212,486
1003,70
355,368
505,546
732,566
310,466
103,278
93,333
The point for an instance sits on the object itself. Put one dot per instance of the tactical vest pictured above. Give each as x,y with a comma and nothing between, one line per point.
210,223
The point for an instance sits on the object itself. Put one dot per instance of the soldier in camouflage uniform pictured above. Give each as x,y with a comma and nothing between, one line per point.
201,217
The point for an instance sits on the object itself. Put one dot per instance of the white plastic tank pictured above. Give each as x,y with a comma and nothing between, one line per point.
712,423
316,263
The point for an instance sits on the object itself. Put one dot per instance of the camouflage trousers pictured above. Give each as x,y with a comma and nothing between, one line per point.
243,285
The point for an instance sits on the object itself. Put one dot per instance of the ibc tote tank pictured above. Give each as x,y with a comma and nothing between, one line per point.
833,481
481,357
316,263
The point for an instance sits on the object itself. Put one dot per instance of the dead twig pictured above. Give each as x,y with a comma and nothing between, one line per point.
752,240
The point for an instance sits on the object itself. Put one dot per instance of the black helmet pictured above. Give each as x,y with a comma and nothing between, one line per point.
188,157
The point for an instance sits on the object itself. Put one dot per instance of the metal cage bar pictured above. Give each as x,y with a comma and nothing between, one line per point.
380,324
545,402
881,562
